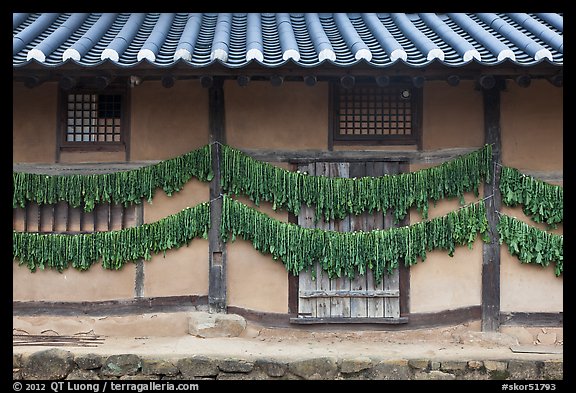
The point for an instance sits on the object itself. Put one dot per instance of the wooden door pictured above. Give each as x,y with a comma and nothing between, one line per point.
343,298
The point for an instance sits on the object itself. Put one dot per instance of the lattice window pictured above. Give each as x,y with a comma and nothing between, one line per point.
93,117
388,115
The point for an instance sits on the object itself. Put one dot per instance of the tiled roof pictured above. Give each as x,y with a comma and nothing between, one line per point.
273,39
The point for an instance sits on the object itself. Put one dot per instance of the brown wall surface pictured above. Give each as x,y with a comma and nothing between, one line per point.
442,282
168,122
34,123
532,140
452,116
256,281
183,271
532,126
193,193
72,285
529,287
261,116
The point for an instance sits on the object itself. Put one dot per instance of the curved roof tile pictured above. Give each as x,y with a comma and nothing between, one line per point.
156,39
519,39
121,42
424,44
304,39
90,38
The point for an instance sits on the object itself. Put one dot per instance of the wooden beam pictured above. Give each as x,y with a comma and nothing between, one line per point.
338,320
491,250
543,319
139,275
349,293
136,306
217,248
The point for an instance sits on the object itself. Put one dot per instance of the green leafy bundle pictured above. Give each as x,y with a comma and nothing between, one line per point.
541,201
115,248
530,244
352,253
335,198
124,187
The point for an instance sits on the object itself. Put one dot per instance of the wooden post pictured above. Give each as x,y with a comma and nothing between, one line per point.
491,251
139,278
217,248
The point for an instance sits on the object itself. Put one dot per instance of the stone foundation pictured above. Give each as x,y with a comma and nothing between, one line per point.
58,364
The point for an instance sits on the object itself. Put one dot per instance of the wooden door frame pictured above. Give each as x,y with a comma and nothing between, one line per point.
404,278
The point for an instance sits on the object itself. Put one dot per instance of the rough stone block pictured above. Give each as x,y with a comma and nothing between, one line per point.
317,368
251,376
495,365
271,367
523,369
158,367
433,375
203,324
139,378
16,360
419,364
236,366
88,361
453,366
475,364
123,364
197,366
355,365
553,369
390,370
49,364
83,375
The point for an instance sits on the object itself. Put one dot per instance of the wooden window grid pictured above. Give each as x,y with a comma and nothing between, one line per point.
367,113
94,120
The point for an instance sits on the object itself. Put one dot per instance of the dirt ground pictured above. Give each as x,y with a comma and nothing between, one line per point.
459,342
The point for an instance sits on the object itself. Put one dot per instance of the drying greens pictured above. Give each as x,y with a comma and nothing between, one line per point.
541,201
115,248
124,187
351,253
530,244
335,198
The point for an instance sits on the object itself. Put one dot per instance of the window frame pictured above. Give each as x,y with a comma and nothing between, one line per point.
94,146
415,138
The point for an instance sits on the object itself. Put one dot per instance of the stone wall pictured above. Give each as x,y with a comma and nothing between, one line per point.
58,364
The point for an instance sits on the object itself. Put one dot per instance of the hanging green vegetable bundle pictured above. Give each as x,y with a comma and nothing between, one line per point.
124,187
115,248
335,198
530,244
541,201
351,253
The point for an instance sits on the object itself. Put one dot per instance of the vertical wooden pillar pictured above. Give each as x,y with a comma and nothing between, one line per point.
491,251
139,278
217,248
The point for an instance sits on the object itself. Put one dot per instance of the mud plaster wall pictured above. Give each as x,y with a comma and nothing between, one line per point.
33,126
532,126
168,122
452,116
442,282
256,281
183,271
532,140
291,116
72,285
